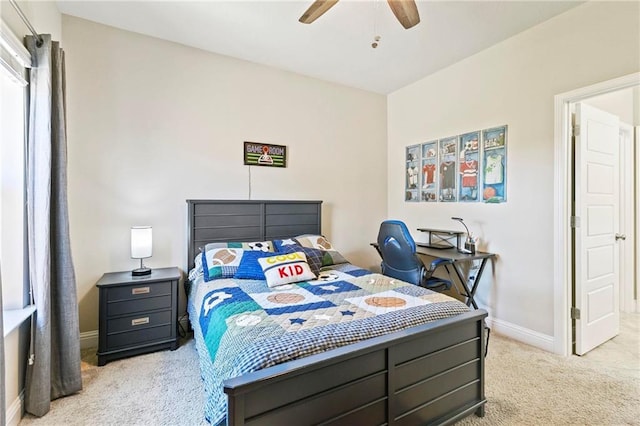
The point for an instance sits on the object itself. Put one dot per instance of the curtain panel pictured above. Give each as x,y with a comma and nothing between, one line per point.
54,368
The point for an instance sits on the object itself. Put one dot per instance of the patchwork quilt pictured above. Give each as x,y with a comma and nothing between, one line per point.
242,326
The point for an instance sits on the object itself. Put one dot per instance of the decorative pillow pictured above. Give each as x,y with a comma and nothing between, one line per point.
266,246
279,245
314,256
249,268
330,256
221,263
286,268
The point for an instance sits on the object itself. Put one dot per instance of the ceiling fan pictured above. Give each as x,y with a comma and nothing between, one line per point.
405,10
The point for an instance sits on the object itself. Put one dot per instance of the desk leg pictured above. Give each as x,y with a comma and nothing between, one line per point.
465,285
476,281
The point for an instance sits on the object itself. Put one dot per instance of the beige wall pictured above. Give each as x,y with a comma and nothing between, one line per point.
620,103
153,123
513,83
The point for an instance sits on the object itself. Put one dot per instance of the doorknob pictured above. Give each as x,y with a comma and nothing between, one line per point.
621,237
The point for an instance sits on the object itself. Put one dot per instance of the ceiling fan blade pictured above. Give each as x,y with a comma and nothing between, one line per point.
316,10
406,11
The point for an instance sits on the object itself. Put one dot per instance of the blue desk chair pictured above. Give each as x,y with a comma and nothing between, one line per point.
399,259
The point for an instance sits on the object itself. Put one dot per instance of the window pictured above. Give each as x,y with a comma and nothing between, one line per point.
13,99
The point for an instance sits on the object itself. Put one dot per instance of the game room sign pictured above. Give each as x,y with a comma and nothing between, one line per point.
263,154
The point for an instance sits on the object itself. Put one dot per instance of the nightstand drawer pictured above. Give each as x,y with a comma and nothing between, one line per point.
131,338
137,314
131,306
139,291
139,322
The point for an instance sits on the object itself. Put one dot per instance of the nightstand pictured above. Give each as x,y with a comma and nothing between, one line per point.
137,314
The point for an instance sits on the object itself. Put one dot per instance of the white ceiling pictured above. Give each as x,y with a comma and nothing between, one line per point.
337,46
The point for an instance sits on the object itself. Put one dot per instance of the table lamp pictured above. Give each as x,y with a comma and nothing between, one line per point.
141,248
470,243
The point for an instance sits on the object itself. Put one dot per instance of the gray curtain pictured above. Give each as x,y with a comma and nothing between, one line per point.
3,415
55,343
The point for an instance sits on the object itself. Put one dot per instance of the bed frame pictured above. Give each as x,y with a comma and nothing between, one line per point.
429,374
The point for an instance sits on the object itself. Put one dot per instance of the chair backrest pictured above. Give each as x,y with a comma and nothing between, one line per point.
398,251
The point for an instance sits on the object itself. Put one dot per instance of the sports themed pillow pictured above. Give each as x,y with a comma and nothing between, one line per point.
221,262
280,245
330,256
224,270
249,268
286,268
314,256
266,246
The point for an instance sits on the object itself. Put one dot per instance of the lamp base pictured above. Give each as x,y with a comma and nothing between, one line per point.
141,271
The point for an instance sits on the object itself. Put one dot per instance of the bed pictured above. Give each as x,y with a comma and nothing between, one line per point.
420,373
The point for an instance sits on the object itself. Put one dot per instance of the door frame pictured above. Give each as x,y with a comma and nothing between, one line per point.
563,177
627,217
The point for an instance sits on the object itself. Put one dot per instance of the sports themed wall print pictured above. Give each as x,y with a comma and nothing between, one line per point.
448,150
412,173
429,189
470,167
494,173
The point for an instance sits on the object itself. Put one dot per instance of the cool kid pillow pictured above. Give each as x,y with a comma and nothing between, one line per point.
286,268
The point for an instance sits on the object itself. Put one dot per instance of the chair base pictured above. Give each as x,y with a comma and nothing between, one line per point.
436,285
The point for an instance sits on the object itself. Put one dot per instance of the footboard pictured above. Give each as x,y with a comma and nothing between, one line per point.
430,374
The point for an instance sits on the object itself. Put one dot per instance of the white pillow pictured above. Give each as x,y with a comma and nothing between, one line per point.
286,268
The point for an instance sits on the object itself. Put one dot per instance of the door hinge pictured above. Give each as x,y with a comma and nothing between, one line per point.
576,130
575,313
575,222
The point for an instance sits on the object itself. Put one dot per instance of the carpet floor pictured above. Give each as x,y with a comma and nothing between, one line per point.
524,386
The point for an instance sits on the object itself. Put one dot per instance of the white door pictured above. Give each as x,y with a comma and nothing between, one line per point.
597,210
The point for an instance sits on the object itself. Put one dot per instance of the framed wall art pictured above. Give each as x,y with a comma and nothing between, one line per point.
429,188
494,165
448,149
471,167
469,162
412,173
264,154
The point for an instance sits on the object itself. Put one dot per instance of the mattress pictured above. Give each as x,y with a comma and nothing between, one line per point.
242,326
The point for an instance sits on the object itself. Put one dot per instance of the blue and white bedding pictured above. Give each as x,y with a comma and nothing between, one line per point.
242,326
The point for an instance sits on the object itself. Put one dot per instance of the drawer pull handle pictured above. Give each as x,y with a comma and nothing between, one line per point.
140,321
141,290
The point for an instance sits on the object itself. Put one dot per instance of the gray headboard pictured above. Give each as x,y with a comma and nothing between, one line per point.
248,220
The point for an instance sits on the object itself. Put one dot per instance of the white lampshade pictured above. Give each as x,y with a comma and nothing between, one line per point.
141,242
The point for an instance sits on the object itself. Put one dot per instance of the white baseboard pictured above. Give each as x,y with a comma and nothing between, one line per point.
521,334
89,339
14,411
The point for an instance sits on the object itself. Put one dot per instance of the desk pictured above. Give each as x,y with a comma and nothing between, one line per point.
458,260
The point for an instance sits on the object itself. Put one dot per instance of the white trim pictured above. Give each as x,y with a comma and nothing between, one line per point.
636,143
627,222
521,334
562,245
89,339
13,318
12,73
14,411
12,44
